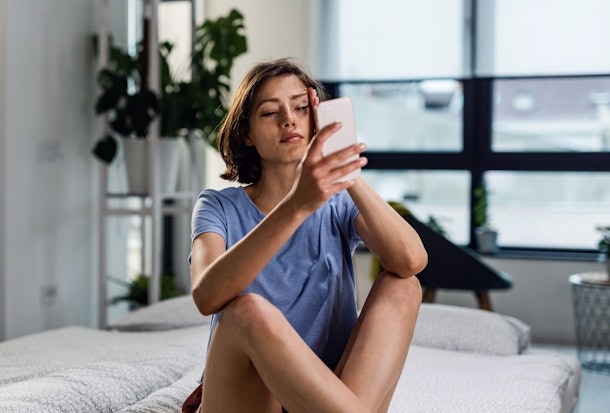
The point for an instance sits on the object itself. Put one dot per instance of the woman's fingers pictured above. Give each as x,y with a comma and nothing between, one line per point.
314,101
319,176
315,147
344,162
332,167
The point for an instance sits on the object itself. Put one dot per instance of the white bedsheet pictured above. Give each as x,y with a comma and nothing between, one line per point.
447,381
462,360
86,370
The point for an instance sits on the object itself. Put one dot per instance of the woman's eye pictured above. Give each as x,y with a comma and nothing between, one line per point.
267,114
305,107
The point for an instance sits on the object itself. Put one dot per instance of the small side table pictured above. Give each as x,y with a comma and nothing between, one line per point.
591,300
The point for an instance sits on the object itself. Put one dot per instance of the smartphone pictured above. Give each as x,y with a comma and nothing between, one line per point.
340,109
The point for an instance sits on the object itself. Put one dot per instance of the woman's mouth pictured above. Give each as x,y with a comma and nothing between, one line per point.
291,137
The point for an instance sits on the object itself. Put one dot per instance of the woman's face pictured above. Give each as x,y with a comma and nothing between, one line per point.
280,121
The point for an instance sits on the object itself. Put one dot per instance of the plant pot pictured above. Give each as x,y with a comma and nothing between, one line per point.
486,240
136,164
135,152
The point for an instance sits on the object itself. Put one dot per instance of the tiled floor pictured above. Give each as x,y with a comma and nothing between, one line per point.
594,387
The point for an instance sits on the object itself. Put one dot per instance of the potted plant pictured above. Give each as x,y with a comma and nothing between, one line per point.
485,234
604,247
196,107
137,290
131,107
199,105
125,97
184,106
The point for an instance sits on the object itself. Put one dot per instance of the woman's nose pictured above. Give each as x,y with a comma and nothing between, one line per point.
288,119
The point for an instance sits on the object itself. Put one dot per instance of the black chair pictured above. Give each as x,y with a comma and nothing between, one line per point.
452,267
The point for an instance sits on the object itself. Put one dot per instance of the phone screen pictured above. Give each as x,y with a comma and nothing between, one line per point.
340,109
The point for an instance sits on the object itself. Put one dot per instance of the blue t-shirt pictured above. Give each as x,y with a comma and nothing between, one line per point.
310,279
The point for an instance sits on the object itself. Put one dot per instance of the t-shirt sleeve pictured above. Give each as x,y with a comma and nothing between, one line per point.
208,215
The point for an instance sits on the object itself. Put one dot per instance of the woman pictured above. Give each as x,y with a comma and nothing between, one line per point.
272,260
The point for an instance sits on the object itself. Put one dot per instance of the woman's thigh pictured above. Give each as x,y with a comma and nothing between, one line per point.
375,354
252,332
231,383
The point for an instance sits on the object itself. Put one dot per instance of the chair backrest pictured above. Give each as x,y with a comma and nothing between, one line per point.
453,267
449,265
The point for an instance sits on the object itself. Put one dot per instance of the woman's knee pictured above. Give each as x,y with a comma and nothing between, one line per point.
403,292
251,315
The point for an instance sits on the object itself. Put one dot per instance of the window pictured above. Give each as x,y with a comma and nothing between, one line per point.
551,114
439,195
529,115
363,40
557,210
428,112
550,37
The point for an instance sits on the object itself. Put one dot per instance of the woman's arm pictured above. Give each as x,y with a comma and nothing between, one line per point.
219,275
386,233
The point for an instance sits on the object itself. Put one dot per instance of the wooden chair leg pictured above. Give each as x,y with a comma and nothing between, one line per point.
428,295
483,300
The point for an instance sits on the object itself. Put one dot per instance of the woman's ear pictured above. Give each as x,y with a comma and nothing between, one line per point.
248,141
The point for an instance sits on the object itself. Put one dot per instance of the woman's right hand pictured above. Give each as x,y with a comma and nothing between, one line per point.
317,177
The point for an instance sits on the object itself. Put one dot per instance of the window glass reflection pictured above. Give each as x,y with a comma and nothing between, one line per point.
551,115
442,195
548,209
408,116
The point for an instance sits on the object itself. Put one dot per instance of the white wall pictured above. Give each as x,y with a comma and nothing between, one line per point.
275,28
47,175
2,161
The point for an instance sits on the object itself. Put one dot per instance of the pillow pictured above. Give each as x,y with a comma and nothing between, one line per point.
470,330
179,312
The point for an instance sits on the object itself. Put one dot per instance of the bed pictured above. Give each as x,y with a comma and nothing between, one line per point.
461,360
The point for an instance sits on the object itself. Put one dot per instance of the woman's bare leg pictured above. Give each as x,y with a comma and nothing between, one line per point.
257,362
378,347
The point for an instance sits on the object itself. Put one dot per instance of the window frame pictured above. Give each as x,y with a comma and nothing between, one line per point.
477,157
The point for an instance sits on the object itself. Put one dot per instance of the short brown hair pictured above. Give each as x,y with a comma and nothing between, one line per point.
243,163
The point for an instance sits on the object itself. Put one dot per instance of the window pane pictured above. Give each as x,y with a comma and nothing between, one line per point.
408,116
542,37
390,39
551,115
548,209
443,195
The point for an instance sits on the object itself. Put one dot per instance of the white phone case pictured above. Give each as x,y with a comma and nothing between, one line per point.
340,109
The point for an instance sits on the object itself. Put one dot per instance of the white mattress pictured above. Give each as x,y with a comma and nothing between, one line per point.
78,369
472,365
447,381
